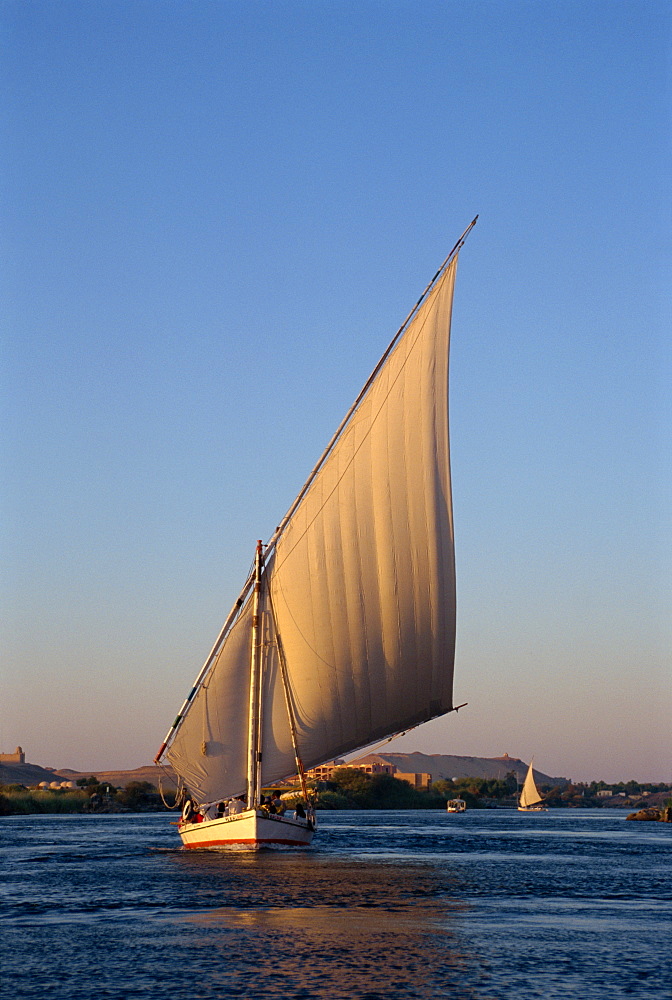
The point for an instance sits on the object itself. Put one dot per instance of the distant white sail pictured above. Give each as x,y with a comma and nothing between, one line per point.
529,795
359,587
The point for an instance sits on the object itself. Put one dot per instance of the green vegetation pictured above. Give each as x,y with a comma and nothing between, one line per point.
350,788
89,797
586,794
479,793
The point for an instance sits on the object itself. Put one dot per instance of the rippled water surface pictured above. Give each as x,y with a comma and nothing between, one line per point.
567,904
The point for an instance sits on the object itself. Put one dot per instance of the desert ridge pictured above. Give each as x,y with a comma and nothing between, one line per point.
15,770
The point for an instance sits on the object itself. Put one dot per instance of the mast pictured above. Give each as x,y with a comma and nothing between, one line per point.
254,729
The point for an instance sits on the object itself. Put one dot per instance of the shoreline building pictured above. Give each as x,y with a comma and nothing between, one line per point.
371,764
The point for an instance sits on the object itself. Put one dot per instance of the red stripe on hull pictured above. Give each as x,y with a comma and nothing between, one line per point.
232,843
259,830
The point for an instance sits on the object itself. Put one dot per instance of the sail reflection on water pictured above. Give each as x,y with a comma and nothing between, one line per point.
341,928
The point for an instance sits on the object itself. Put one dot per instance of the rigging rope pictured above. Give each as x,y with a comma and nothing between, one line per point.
178,789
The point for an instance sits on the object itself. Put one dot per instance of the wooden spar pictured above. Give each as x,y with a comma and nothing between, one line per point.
254,728
395,736
260,674
279,530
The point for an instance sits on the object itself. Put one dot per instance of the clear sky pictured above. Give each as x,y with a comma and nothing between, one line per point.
214,217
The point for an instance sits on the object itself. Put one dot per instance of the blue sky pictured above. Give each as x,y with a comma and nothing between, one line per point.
214,217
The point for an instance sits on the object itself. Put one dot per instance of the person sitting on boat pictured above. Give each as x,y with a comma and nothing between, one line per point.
221,809
299,811
237,805
277,804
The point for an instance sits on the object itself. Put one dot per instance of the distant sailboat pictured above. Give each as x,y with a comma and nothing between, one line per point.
530,800
344,632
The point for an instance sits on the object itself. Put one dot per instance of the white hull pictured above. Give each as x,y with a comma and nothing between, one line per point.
456,806
532,809
251,829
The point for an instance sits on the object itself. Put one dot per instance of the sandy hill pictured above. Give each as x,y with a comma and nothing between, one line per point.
438,765
149,772
26,774
32,774
449,766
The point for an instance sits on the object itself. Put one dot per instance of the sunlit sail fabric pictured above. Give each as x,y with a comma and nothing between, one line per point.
362,579
359,587
529,795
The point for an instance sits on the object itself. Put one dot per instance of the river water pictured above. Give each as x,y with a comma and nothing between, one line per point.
487,904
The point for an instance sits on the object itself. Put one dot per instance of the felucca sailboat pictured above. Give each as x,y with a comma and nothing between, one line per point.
344,632
530,799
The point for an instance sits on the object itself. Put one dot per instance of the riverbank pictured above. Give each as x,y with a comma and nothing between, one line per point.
136,797
350,789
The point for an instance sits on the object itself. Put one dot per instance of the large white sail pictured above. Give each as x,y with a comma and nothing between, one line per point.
363,579
359,586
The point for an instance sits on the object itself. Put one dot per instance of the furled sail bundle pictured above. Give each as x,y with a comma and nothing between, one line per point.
354,622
